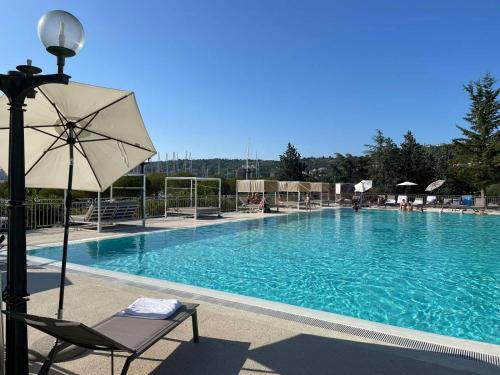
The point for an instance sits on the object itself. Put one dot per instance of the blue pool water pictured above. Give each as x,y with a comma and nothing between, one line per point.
433,272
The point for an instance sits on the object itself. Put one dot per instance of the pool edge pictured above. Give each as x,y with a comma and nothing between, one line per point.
404,337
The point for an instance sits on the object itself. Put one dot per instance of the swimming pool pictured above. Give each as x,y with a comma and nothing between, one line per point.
433,272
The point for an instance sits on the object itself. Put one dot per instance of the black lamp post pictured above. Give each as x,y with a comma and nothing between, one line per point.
62,35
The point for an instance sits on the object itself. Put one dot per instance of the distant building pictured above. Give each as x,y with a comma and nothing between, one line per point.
3,175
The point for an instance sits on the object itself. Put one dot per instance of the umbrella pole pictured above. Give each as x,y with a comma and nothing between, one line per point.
69,198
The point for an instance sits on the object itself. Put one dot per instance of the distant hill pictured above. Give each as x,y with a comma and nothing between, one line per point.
231,168
228,168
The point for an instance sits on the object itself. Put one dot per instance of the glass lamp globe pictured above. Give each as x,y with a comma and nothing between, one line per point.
61,33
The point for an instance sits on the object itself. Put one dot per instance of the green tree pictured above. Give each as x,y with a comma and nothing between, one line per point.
291,167
348,168
478,150
384,164
439,160
414,165
156,183
4,189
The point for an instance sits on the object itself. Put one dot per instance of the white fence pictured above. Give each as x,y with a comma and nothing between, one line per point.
42,213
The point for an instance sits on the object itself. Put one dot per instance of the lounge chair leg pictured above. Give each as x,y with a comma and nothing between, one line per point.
127,365
44,370
194,317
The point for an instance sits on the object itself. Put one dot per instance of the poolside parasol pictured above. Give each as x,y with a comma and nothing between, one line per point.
406,184
96,132
434,185
363,186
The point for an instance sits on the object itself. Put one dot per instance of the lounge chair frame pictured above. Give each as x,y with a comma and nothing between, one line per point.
194,209
95,338
109,213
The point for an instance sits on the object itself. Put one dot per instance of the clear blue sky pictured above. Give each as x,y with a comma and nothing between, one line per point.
320,74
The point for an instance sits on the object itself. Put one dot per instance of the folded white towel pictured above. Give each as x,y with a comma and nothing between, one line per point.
152,308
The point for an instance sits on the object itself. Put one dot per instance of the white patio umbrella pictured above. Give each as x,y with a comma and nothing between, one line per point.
78,137
363,186
406,184
434,185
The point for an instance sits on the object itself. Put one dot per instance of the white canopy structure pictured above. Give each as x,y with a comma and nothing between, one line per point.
192,204
294,187
111,138
322,188
257,186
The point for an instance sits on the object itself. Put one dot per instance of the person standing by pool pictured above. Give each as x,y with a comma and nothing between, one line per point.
308,202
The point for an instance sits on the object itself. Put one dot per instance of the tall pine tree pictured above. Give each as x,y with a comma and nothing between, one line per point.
413,164
384,164
291,167
478,150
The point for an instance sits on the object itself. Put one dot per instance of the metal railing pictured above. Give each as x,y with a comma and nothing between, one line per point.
43,213
227,203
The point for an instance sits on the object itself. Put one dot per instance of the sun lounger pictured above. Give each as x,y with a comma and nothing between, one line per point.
401,198
287,204
249,206
447,202
456,203
111,212
418,202
117,333
478,204
391,200
467,200
431,200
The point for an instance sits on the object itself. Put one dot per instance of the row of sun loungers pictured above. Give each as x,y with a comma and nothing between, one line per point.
191,211
432,201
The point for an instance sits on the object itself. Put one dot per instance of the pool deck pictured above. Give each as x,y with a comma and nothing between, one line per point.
239,335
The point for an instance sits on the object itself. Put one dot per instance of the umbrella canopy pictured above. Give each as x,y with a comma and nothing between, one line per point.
434,185
407,183
363,186
110,136
78,137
